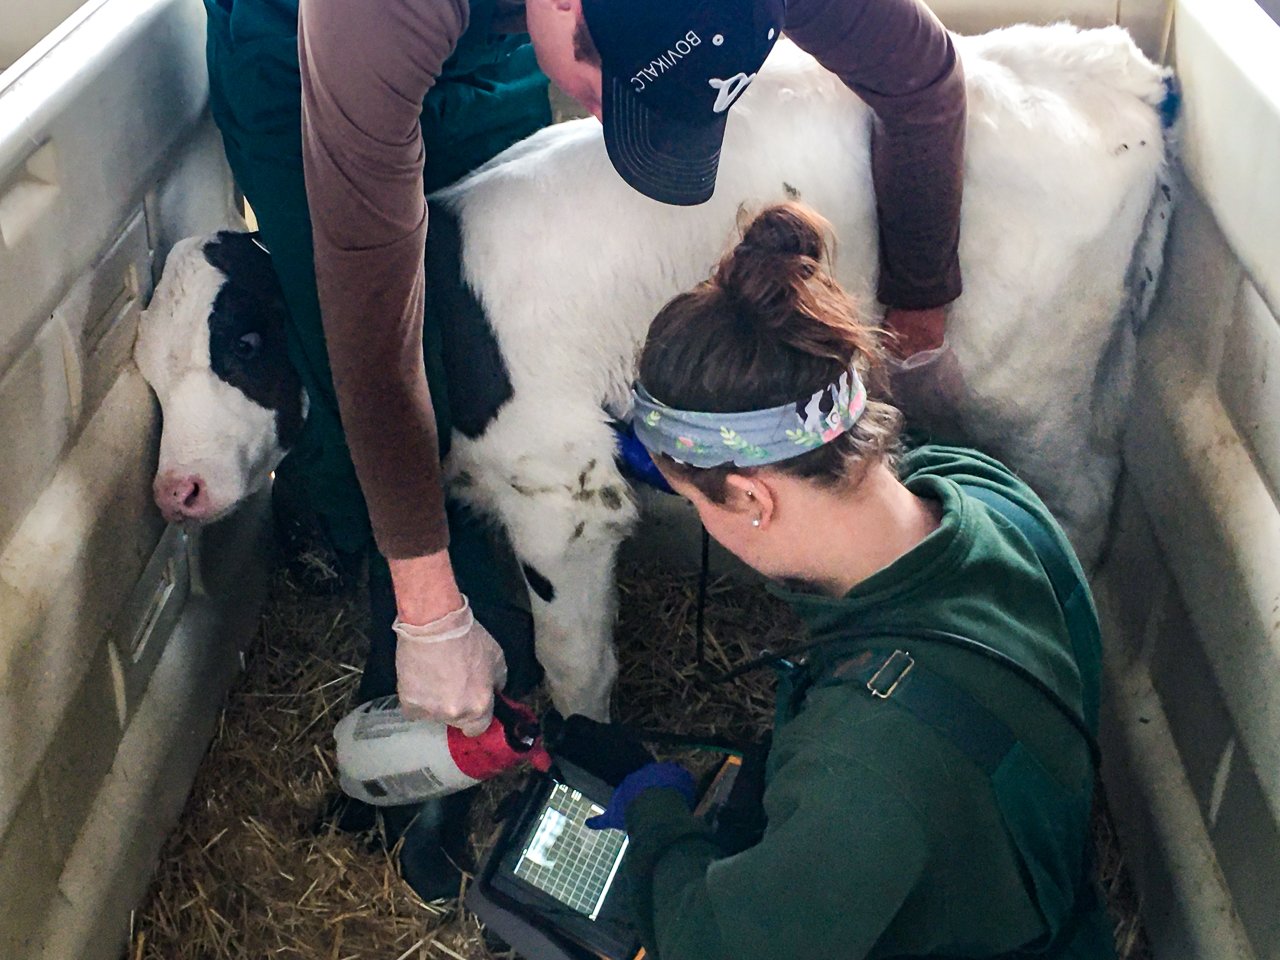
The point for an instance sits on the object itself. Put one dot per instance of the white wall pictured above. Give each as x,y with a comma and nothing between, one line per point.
23,23
114,654
1192,587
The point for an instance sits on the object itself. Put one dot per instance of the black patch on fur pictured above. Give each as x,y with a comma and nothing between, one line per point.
538,583
476,377
248,326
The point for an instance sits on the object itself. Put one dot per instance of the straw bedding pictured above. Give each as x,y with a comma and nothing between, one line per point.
248,874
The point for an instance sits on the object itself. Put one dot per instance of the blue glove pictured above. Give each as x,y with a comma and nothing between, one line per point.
655,776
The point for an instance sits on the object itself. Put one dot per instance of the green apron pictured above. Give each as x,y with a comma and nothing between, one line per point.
489,95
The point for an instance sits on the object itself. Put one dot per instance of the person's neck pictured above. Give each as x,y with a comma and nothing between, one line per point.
863,532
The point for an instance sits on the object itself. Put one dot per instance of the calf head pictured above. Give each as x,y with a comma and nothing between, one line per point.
212,345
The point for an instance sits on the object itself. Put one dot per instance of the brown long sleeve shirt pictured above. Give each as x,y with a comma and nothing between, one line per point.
366,67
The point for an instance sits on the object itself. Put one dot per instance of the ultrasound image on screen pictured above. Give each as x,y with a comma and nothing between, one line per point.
568,860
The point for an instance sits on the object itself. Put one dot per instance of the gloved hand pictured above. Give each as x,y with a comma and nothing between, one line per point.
603,750
448,670
929,389
655,776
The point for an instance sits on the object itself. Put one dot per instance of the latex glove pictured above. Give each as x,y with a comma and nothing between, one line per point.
655,776
604,750
448,670
929,389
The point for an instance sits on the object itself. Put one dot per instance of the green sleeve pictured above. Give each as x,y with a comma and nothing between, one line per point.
843,850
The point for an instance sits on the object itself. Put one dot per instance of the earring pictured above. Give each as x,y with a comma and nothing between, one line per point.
751,494
755,522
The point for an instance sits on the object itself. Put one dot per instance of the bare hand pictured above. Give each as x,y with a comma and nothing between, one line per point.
914,331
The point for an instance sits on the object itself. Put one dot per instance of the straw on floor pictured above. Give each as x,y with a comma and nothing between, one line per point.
248,874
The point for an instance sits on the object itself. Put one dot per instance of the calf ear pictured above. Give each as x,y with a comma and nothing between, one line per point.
246,262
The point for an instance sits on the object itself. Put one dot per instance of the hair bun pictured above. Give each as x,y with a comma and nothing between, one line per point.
786,230
778,267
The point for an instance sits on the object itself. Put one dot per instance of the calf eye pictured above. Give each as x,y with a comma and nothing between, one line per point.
247,347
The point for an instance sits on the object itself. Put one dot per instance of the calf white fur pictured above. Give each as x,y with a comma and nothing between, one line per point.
568,266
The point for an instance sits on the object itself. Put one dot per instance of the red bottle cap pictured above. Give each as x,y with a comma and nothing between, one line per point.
511,739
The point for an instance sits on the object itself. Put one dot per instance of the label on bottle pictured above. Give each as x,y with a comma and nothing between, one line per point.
409,787
378,724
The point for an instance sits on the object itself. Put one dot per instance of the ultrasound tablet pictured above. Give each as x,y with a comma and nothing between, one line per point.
552,887
552,873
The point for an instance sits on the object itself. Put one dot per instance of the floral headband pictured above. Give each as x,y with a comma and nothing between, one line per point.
751,438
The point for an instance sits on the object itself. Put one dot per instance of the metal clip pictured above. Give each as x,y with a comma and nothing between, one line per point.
895,660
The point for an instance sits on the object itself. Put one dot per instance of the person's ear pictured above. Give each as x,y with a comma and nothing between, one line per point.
754,496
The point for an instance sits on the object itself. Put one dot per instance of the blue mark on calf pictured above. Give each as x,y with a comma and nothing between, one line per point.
1171,105
634,460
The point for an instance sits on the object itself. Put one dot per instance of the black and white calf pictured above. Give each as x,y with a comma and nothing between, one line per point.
547,269
232,402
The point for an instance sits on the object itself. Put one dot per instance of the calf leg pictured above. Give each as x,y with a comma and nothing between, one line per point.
566,538
574,601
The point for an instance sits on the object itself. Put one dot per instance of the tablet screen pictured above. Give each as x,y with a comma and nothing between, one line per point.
566,859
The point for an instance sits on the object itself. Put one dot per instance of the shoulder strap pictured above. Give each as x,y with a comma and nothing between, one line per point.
935,701
1069,588
1062,886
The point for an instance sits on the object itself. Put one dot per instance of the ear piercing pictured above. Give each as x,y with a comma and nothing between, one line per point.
755,522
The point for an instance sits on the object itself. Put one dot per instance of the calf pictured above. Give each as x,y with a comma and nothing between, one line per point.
212,346
546,270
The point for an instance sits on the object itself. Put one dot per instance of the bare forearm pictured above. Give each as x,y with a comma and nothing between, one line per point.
425,587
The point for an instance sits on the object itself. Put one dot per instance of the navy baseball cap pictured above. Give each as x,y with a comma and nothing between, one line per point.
671,71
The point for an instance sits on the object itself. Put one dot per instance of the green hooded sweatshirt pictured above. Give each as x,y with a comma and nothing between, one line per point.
883,838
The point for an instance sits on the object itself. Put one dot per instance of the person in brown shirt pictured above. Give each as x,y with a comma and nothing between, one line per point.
661,75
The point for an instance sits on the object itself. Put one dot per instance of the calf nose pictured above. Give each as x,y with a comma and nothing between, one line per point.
182,497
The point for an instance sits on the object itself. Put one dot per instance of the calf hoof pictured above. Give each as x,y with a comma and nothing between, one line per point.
431,838
433,844
429,871
345,814
593,706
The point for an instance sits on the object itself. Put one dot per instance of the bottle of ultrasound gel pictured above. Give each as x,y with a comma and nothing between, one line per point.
387,759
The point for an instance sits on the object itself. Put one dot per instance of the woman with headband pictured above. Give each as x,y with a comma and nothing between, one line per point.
929,786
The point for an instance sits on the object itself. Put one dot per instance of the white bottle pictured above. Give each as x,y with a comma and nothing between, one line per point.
386,759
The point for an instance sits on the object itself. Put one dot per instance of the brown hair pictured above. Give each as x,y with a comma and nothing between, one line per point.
769,327
584,47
